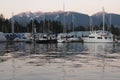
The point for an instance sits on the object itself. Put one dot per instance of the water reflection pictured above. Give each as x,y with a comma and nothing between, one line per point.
61,61
59,49
2,48
99,47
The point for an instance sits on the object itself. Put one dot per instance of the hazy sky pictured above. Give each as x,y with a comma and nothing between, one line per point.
83,6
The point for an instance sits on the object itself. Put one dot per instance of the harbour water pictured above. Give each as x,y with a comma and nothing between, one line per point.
59,61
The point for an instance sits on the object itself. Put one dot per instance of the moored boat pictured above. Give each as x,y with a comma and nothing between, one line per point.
100,35
46,38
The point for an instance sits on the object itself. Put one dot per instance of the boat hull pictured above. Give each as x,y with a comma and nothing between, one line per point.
46,41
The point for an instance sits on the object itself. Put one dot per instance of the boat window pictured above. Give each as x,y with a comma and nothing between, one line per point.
99,37
105,37
91,37
44,36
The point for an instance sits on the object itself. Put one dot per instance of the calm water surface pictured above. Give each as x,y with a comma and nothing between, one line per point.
61,61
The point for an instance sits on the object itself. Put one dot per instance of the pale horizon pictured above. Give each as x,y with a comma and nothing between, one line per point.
81,6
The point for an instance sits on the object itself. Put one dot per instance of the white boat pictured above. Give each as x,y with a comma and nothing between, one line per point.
65,37
99,36
73,38
29,38
62,37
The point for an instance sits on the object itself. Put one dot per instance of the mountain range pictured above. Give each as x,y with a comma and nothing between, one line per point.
68,18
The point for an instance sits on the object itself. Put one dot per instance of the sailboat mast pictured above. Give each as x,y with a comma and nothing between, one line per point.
43,23
64,26
73,22
90,23
110,20
13,23
103,20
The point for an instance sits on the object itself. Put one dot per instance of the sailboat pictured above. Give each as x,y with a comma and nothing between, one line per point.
72,37
46,37
31,36
62,37
100,35
11,36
